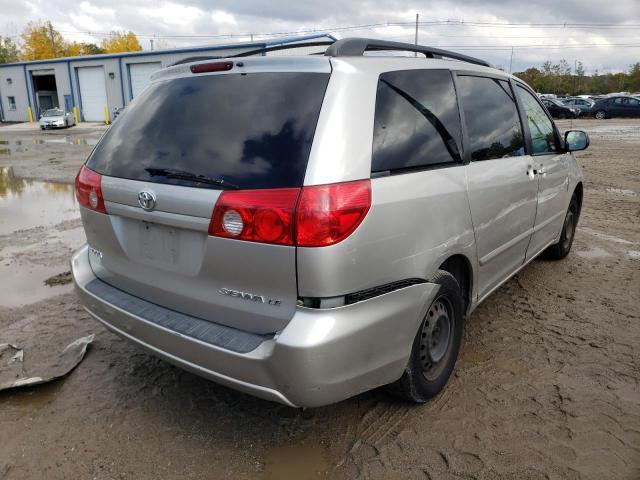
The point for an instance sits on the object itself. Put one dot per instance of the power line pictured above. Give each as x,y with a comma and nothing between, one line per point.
453,23
509,47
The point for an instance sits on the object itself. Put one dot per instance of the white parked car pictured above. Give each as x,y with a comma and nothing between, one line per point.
56,118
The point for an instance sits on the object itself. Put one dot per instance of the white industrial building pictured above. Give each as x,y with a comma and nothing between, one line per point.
97,84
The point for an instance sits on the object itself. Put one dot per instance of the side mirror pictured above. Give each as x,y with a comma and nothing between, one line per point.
576,140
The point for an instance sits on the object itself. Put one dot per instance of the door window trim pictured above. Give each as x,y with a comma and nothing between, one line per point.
466,150
527,132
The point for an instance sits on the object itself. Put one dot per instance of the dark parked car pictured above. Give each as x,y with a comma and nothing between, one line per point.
559,110
582,104
616,107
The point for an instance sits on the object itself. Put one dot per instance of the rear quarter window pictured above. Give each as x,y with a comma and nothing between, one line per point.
250,130
417,122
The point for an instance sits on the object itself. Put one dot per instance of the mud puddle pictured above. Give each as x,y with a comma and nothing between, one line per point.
295,462
39,227
26,204
622,191
10,145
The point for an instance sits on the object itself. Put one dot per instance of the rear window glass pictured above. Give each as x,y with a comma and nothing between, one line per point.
417,123
249,130
492,118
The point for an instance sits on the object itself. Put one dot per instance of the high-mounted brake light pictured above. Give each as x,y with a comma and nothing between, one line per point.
211,67
327,214
314,216
89,191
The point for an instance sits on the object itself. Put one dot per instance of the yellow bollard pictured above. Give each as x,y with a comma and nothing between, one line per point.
30,114
106,116
75,115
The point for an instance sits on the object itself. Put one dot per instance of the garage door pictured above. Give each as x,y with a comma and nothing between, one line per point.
139,74
93,93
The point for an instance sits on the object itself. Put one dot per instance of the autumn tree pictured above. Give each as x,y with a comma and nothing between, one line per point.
121,42
40,41
634,78
8,50
76,49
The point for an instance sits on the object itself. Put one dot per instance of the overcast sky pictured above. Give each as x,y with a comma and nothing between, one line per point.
174,21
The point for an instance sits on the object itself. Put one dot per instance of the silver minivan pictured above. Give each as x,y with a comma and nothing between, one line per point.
308,228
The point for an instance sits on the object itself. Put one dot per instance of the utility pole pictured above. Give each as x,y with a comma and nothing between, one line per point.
511,61
415,54
151,41
251,34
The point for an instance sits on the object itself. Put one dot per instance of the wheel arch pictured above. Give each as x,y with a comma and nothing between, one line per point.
460,267
578,192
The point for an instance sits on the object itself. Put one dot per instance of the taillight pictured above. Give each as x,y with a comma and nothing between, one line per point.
314,216
211,67
88,190
256,215
327,214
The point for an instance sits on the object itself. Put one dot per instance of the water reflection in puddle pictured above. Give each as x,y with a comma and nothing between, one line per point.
30,255
28,204
11,145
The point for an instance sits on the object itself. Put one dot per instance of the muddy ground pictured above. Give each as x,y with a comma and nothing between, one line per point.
547,385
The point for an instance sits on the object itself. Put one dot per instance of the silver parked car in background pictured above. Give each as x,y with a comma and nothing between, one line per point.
56,118
305,229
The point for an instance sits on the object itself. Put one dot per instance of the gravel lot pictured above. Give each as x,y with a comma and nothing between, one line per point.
547,385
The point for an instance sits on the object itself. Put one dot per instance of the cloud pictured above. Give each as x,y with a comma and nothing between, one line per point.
175,20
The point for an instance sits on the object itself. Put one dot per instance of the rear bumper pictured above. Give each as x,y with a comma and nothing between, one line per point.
322,356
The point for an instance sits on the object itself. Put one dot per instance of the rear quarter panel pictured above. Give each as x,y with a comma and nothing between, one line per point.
417,220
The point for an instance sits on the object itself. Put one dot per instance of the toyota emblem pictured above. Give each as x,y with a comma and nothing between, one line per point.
147,200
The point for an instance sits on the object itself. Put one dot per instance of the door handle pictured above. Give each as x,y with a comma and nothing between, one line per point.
531,173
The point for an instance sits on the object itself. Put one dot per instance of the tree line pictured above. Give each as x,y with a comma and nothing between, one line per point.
40,41
559,78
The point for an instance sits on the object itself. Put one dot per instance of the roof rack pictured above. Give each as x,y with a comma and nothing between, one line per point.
194,59
285,46
355,47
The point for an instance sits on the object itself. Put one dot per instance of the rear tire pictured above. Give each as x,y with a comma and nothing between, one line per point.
435,346
563,247
600,115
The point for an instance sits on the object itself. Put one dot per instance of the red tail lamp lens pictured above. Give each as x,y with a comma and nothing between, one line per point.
256,215
89,191
314,216
327,214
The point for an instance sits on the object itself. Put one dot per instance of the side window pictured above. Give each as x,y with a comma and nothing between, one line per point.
417,123
12,103
491,117
618,101
634,102
541,128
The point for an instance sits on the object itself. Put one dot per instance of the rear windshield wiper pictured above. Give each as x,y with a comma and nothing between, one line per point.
193,177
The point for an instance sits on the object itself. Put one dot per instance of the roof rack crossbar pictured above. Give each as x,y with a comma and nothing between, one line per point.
355,47
286,46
